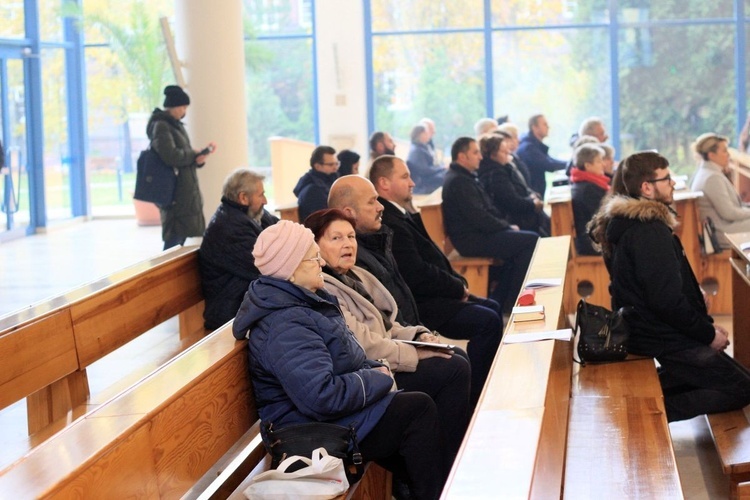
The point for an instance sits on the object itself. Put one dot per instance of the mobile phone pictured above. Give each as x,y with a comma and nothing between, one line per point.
206,150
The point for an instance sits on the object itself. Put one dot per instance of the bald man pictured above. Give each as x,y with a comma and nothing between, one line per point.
357,197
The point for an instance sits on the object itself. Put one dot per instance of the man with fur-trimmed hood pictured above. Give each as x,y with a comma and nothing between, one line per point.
650,272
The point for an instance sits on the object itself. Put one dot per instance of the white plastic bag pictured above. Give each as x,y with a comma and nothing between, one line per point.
323,478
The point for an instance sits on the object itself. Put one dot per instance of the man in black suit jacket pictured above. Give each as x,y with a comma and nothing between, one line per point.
477,229
442,298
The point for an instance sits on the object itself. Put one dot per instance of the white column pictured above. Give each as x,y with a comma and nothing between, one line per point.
209,42
342,91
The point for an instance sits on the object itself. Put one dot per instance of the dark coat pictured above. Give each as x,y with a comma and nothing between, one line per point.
312,192
226,260
436,287
509,194
524,169
586,199
468,212
374,254
171,142
650,272
426,175
305,363
534,153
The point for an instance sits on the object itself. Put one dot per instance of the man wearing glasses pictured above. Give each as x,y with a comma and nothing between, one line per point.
313,187
650,273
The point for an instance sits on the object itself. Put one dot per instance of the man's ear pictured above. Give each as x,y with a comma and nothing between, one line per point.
647,190
383,183
349,211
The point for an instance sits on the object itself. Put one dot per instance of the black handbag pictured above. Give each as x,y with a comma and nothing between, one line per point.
155,181
602,334
302,439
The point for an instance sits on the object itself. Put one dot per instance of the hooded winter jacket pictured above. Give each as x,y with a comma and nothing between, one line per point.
312,192
305,364
650,272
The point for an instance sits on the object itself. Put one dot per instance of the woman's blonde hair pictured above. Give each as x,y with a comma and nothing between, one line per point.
707,143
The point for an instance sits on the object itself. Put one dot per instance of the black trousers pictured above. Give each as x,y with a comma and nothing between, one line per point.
447,382
405,441
480,322
702,380
515,248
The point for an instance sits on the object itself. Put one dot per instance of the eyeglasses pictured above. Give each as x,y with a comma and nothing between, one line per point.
332,164
667,178
317,258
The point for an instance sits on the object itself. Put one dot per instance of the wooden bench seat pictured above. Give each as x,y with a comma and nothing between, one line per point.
289,212
47,347
731,435
619,445
189,428
475,270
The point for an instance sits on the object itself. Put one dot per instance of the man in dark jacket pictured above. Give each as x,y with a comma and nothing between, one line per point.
476,228
226,254
357,197
443,300
535,154
312,188
184,218
651,274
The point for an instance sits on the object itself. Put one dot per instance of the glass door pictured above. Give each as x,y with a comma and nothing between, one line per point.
14,197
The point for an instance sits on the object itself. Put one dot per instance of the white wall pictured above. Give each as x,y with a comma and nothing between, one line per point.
342,95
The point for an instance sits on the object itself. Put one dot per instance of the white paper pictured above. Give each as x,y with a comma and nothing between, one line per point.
528,309
543,282
745,246
517,338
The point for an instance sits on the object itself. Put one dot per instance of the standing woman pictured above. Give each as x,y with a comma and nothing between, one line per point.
306,366
184,218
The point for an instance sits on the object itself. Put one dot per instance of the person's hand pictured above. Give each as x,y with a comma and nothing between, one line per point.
538,205
428,337
515,227
383,369
721,339
426,352
466,296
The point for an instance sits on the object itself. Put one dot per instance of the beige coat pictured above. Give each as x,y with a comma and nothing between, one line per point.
720,201
364,319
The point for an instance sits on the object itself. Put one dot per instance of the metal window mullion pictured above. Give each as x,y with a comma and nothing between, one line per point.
32,66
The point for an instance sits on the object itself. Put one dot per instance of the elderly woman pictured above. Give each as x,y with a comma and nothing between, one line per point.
306,366
720,200
370,311
425,172
507,188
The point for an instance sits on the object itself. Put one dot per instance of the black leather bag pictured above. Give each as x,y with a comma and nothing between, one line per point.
302,439
155,181
602,334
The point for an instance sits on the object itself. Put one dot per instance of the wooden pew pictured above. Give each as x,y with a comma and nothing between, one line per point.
476,270
731,430
515,444
586,271
46,348
619,445
190,428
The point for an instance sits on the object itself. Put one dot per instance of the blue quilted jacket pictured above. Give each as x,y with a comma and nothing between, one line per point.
305,363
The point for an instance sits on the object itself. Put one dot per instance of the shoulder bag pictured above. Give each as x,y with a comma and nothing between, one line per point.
602,334
302,439
155,181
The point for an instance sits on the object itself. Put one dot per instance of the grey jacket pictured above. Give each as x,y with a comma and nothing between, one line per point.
720,201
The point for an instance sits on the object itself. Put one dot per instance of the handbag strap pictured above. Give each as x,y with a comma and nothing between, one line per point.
580,311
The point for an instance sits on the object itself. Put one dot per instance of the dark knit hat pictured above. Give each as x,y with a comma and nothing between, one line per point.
347,158
175,96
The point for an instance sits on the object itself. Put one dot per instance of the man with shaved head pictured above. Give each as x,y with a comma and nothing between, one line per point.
357,197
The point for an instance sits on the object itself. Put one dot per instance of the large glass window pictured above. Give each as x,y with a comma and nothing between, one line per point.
659,75
420,76
12,15
280,75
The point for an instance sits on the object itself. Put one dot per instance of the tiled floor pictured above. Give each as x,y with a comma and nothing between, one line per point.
41,266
